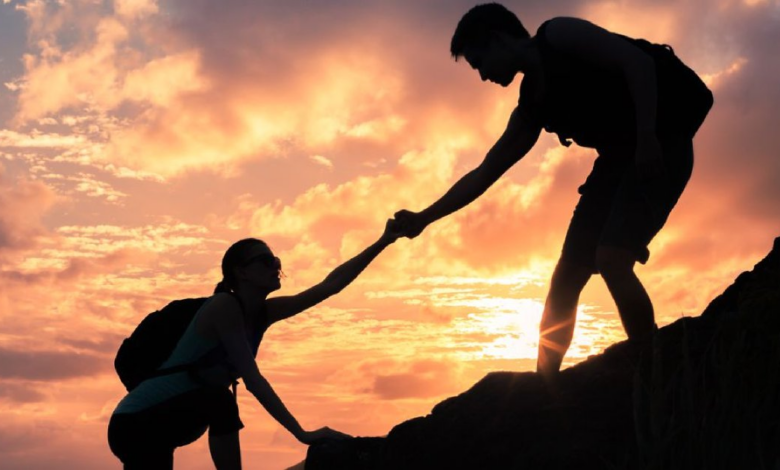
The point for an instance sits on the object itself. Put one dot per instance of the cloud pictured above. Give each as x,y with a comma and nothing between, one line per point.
81,183
219,94
161,81
11,139
20,393
15,441
423,379
106,343
49,365
324,161
57,79
22,205
210,117
135,8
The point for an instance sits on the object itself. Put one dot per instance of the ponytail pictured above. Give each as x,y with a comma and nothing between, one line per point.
222,286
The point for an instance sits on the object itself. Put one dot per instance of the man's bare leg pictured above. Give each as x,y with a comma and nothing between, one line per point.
559,317
616,266
225,451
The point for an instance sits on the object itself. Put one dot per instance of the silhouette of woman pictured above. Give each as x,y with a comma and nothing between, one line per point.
174,410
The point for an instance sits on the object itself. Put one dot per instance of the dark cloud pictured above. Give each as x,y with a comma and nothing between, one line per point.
265,45
20,392
12,441
12,43
49,365
423,379
251,48
107,343
75,269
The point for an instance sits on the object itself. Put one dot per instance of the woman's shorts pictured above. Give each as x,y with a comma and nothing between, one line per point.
147,439
618,209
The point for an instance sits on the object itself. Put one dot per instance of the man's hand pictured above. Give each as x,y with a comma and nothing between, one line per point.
409,224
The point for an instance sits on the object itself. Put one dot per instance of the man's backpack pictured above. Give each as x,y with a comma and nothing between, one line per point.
687,100
153,341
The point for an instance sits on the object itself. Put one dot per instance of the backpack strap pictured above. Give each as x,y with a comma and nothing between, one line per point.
234,384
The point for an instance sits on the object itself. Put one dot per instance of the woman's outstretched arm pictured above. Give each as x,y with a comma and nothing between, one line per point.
230,327
283,307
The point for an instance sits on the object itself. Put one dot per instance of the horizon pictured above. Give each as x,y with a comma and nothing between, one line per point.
140,138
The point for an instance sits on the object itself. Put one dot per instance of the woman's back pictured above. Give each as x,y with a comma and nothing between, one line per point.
192,346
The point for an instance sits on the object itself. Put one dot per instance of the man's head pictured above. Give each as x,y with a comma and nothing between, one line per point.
480,24
485,37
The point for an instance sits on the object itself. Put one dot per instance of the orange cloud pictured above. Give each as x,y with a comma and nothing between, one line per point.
22,205
136,8
202,123
423,379
47,365
20,393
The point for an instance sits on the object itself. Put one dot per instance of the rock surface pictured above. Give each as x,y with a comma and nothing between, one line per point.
705,394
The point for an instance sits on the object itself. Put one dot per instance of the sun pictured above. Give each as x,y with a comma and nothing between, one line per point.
503,328
507,328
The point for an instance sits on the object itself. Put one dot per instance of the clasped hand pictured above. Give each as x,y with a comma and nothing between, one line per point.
409,224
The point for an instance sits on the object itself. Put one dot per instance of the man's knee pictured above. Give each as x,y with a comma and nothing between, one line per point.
612,262
569,278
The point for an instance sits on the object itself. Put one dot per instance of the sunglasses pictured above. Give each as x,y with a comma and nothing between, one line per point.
268,260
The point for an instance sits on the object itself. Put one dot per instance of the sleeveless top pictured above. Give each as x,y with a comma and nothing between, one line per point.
191,347
593,106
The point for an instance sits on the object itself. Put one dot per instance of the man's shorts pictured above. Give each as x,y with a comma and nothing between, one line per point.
147,439
617,209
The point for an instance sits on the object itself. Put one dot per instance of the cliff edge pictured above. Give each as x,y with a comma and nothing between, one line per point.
705,394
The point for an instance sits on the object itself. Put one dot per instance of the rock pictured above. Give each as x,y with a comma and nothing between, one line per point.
705,394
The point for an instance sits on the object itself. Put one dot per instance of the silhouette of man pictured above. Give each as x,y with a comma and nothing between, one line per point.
634,102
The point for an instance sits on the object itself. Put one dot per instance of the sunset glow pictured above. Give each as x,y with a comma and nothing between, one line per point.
140,138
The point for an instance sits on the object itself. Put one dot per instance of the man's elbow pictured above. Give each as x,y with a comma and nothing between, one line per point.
484,177
496,165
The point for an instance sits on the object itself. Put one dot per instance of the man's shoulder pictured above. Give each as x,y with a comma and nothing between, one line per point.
529,101
546,23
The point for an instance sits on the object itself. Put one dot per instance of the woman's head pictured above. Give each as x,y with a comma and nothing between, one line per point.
249,261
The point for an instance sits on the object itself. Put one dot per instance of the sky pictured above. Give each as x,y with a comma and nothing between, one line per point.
140,138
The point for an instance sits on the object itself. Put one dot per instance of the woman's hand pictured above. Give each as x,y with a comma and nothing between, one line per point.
311,437
392,231
409,224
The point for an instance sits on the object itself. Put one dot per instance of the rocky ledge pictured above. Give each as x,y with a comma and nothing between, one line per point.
705,394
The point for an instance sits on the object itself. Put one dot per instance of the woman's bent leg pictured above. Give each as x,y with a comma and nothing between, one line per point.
138,446
225,451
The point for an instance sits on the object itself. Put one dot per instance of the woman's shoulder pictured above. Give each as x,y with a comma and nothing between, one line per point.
223,300
220,307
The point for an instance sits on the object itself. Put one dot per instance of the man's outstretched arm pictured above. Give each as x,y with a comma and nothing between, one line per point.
516,141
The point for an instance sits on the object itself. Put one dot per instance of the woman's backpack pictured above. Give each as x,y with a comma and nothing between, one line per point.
153,341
